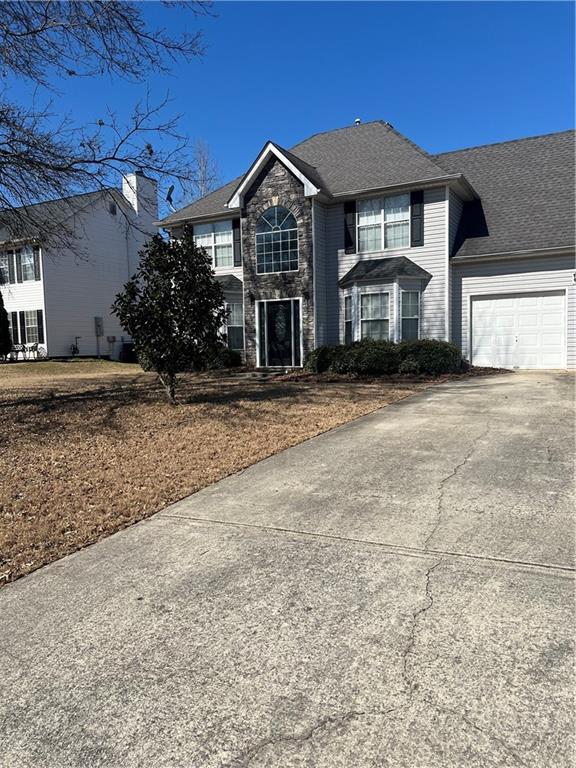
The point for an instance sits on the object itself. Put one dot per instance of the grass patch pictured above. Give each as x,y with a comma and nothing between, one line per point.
90,447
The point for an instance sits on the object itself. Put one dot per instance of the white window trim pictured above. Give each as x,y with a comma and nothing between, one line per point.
235,325
257,329
367,320
419,316
383,224
212,233
281,271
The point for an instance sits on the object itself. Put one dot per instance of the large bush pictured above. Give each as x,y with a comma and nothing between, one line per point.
222,357
384,358
429,356
362,358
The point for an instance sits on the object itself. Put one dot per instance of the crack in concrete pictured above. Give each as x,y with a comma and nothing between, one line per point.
247,757
442,484
408,680
490,736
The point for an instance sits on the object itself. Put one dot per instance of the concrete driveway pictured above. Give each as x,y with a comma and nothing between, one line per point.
398,592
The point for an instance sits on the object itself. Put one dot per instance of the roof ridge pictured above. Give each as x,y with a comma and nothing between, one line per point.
60,199
335,130
507,141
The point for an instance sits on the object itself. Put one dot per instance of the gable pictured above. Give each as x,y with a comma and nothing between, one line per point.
526,190
270,152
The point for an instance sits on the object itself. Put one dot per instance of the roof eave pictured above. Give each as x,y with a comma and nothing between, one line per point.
456,180
236,201
564,250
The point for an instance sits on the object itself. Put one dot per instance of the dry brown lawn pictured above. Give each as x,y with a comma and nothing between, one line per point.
88,448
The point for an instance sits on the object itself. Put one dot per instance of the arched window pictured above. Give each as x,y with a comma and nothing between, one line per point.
276,241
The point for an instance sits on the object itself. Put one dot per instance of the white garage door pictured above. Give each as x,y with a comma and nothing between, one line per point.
519,330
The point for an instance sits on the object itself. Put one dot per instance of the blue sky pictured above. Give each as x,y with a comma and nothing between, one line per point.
447,75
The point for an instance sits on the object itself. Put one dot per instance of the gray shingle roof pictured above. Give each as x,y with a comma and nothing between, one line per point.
229,283
384,269
360,157
526,190
40,218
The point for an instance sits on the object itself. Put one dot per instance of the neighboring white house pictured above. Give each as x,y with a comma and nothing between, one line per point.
359,232
61,296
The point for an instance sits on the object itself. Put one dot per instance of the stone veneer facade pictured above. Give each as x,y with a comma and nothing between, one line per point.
275,185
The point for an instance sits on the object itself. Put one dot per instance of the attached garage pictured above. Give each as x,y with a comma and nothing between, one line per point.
516,313
519,330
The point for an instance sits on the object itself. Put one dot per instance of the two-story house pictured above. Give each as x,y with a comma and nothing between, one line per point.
358,232
58,294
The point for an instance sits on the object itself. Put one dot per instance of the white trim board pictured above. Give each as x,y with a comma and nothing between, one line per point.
237,199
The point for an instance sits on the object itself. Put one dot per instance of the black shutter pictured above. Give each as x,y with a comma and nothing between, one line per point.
237,243
350,226
15,334
22,328
11,276
40,321
416,218
18,255
36,263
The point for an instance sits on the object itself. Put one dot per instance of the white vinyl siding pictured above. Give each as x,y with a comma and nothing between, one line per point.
512,276
431,256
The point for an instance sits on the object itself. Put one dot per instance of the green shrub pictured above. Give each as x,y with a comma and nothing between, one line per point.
223,357
375,358
432,357
409,367
319,359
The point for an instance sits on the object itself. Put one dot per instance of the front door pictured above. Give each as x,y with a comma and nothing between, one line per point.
279,333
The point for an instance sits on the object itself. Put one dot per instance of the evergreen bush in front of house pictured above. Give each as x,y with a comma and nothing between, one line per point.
222,357
5,338
173,308
430,356
385,358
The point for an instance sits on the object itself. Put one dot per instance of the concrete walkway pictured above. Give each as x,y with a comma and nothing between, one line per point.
396,593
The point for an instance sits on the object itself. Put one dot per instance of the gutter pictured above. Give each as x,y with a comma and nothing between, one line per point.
564,250
458,179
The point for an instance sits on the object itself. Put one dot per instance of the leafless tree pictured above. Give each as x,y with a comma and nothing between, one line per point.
44,42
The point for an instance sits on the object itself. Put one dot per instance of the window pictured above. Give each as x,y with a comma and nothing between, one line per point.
348,335
5,266
410,315
276,241
383,223
235,326
10,330
31,325
217,241
374,315
27,264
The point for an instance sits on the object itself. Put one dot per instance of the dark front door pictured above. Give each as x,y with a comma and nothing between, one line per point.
280,333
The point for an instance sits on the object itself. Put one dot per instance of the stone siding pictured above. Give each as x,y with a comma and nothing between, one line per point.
275,185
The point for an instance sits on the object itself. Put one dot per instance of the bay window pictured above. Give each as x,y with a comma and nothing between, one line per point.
235,326
383,223
348,332
217,241
375,316
410,315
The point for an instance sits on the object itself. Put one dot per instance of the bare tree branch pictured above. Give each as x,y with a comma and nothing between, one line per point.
44,157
